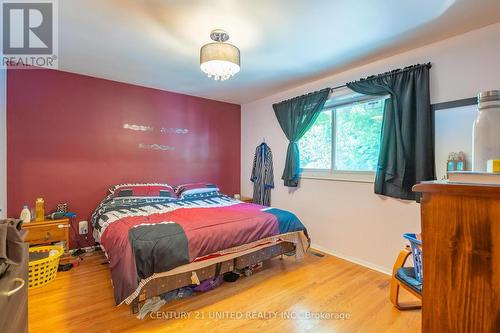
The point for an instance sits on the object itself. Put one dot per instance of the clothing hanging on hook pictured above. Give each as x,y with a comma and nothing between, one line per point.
262,175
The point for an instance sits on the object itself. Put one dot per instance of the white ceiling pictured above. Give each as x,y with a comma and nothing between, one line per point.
283,43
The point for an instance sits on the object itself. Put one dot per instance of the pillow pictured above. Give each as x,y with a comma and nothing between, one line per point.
195,188
142,190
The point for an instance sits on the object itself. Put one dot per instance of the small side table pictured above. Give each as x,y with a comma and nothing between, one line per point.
48,231
246,199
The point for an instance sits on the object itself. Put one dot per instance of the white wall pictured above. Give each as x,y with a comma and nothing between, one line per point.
3,144
346,218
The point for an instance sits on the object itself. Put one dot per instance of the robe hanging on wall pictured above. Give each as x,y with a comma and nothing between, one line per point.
262,175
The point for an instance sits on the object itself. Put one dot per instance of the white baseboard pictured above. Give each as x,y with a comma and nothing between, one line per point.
351,259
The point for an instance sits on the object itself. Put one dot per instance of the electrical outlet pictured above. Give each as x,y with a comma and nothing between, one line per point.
83,227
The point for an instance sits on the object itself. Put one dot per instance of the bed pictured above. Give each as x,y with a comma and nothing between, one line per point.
159,238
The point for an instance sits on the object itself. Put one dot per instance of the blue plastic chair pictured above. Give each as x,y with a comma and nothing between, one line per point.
410,278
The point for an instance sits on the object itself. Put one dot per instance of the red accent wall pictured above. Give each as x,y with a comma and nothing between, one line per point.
66,140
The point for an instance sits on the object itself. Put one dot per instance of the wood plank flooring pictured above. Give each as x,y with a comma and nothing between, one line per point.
286,291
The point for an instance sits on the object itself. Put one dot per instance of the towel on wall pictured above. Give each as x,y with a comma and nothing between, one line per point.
262,175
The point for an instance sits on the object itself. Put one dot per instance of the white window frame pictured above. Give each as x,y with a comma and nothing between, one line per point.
348,97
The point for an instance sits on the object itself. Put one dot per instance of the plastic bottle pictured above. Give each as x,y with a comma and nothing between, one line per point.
486,131
25,214
39,210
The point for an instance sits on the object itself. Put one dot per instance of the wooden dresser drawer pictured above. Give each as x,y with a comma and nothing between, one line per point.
49,231
461,257
46,234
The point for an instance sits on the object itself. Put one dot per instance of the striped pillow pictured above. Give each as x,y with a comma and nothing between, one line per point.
195,188
142,190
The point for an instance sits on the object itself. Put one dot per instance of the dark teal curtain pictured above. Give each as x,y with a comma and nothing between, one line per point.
295,117
407,139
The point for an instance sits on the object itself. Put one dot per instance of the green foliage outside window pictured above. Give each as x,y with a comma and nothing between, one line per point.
316,145
357,138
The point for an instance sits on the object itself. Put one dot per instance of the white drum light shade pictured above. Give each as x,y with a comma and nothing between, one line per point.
219,60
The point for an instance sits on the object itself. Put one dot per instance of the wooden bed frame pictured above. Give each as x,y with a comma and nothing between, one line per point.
164,284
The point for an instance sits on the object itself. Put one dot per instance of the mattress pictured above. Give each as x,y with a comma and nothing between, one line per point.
144,236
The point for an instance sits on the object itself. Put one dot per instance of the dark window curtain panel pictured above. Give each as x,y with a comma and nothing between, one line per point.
295,117
407,139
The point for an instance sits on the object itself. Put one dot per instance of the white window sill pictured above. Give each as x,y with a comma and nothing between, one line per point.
344,176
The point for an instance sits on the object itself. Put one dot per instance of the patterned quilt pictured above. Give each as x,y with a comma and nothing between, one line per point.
146,235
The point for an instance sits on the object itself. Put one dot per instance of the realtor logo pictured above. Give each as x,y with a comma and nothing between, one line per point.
29,34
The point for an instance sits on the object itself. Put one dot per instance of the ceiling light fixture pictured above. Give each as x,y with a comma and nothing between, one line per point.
219,60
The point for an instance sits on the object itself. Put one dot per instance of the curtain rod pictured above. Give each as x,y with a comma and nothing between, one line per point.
385,74
338,87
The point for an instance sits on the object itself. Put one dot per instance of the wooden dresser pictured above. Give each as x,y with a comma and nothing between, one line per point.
461,257
49,231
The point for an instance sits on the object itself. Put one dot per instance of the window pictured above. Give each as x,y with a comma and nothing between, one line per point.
344,141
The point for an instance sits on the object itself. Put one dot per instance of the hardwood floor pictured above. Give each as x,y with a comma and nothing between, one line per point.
81,300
